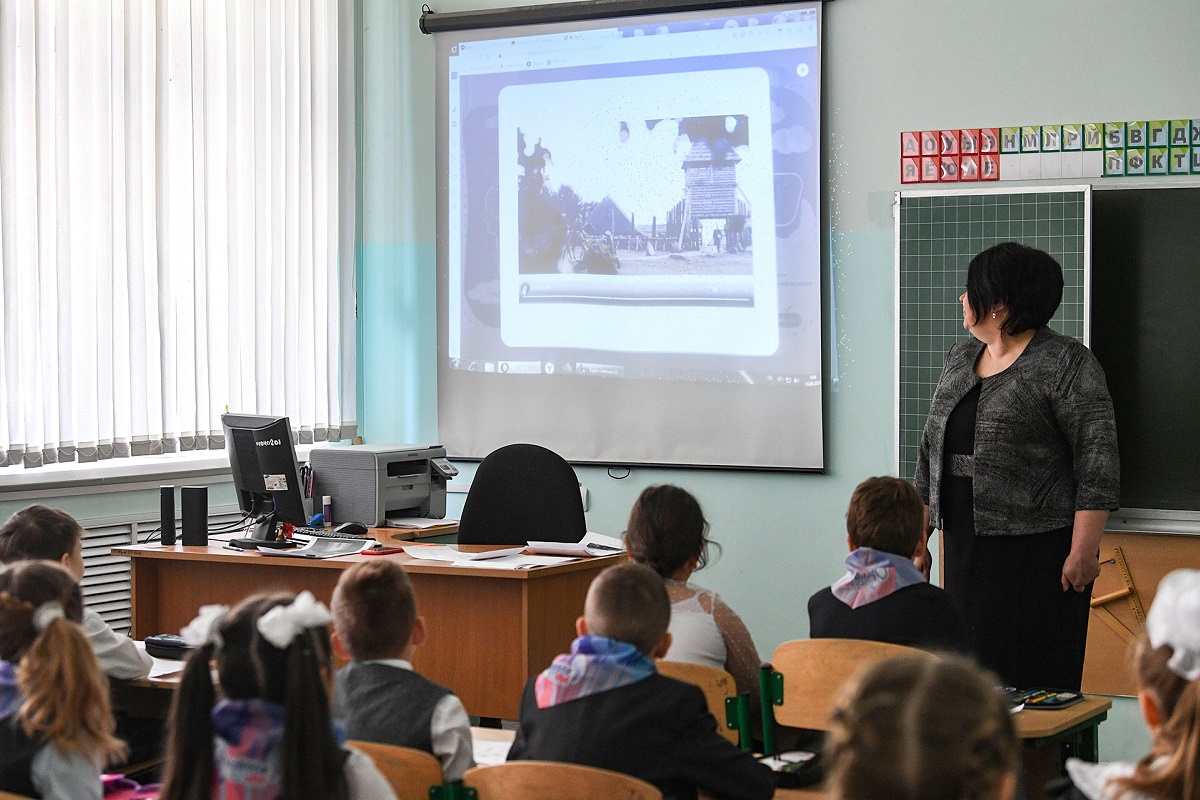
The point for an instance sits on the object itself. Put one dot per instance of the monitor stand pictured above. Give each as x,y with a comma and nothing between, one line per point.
263,536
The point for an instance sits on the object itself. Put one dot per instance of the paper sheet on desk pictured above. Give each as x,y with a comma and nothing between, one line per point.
489,753
441,552
165,666
590,546
516,562
161,666
419,522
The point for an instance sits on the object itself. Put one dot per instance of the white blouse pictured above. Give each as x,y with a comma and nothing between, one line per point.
706,631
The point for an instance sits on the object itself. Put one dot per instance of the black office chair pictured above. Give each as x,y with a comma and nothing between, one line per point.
522,492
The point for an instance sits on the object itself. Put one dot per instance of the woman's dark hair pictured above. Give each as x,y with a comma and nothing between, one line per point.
1028,281
38,532
250,667
666,528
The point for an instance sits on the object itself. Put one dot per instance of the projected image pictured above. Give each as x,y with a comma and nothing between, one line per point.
631,231
690,219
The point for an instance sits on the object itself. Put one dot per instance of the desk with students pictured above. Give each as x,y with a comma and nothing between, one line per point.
1048,735
490,629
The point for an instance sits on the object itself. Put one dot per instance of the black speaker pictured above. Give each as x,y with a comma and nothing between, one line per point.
194,500
166,514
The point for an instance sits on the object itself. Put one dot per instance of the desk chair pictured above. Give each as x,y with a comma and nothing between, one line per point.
411,773
548,780
718,687
805,677
522,492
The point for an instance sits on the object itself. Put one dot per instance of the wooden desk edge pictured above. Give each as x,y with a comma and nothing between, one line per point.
1039,724
410,564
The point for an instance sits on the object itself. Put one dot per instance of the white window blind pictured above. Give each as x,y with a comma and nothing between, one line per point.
176,222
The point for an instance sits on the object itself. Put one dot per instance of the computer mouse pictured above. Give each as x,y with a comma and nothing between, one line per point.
355,528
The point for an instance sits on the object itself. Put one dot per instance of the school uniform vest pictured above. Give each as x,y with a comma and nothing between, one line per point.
17,752
386,704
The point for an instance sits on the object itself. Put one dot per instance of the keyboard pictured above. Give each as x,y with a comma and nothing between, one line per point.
327,533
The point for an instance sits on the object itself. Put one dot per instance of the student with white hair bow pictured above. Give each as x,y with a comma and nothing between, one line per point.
1168,664
271,734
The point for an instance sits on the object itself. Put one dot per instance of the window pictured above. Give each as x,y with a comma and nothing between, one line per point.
176,223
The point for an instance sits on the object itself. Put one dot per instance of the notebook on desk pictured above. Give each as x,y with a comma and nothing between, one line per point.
323,548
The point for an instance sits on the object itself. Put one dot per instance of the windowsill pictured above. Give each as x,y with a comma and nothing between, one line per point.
122,473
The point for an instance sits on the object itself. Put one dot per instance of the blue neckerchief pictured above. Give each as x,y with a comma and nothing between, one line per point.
872,575
595,664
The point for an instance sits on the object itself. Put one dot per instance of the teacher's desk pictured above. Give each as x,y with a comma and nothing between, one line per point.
489,629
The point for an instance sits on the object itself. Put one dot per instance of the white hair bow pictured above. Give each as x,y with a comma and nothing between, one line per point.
1174,620
46,613
280,625
205,627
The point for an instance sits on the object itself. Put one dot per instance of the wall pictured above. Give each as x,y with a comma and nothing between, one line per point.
888,67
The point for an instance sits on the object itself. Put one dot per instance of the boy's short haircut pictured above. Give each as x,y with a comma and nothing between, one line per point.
374,610
629,603
38,532
885,514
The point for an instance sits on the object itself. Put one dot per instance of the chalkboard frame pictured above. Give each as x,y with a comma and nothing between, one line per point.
1167,520
935,322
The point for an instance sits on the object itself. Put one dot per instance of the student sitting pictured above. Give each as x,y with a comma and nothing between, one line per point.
604,705
667,532
56,730
922,727
271,736
47,533
1168,668
883,597
377,696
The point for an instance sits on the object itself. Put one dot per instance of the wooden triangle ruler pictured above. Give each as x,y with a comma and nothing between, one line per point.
1113,585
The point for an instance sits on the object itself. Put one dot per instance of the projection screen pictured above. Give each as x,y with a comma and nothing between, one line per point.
628,248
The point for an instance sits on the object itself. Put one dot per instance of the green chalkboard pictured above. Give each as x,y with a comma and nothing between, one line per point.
937,234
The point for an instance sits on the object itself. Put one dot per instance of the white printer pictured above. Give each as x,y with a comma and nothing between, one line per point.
377,484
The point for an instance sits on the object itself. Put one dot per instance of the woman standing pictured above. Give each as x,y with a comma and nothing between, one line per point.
1018,468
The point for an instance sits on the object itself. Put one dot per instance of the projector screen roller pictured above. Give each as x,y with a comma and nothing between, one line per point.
628,239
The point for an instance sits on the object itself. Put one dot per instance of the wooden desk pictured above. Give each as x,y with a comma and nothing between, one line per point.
489,629
1051,737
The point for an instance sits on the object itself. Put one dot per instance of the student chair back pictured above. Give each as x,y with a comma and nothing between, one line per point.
717,685
814,671
547,780
11,796
522,492
411,773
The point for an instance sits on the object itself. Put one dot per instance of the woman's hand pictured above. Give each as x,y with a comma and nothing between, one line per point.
1082,566
924,562
1079,570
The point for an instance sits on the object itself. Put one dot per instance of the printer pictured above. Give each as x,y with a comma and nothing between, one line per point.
379,484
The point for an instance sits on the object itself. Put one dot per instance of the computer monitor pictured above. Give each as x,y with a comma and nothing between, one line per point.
266,477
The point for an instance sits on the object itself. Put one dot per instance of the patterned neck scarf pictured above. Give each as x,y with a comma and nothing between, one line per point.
247,763
595,664
872,575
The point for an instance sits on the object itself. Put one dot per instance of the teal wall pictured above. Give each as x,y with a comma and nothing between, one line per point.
888,67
